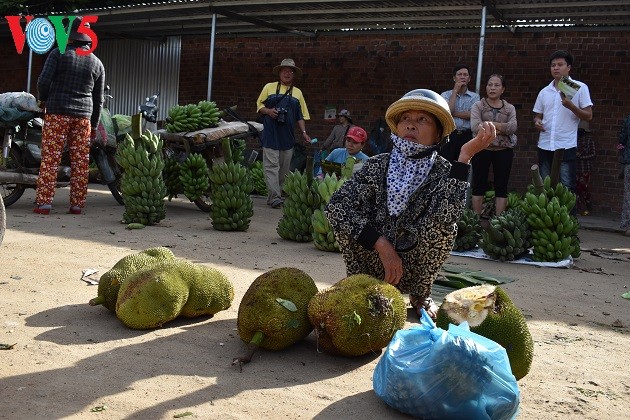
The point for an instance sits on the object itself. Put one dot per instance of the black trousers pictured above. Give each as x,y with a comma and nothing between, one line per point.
456,140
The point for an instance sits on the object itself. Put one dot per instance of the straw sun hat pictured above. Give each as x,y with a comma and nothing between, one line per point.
288,62
421,100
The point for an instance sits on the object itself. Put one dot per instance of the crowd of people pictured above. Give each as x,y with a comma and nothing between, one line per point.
395,218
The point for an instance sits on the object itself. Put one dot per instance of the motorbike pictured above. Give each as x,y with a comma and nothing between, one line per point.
21,158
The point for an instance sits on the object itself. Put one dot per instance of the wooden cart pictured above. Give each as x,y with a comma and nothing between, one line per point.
207,142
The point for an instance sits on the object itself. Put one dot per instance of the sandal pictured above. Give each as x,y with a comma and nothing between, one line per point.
427,304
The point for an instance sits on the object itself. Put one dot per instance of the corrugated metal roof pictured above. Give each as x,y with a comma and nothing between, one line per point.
314,17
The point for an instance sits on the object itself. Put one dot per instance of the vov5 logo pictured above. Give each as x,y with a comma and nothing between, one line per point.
40,33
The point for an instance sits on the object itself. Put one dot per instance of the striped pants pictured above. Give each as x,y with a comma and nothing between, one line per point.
59,130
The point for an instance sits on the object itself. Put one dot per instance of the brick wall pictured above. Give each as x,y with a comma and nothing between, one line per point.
14,68
365,74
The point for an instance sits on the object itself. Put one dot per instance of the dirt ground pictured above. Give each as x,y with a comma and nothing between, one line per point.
71,360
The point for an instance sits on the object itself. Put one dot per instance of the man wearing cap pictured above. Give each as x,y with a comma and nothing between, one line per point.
337,136
460,101
70,88
281,105
396,218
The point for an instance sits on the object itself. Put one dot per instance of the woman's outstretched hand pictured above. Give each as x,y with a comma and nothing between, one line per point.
486,134
392,264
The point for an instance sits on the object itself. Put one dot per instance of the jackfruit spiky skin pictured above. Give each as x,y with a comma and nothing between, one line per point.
153,296
490,313
357,315
210,291
110,281
260,310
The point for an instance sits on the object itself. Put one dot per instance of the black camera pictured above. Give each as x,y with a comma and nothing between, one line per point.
282,115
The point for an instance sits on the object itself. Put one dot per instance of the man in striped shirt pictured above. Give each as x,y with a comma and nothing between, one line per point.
460,101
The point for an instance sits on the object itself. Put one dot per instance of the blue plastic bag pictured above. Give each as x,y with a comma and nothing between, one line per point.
456,374
317,163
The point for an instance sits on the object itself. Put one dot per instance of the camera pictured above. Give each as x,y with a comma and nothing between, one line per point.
282,115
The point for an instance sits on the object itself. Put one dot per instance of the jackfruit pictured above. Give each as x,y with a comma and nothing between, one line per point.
209,290
490,313
110,281
272,314
357,315
160,293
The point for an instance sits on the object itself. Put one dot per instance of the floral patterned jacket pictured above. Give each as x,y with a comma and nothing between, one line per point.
423,233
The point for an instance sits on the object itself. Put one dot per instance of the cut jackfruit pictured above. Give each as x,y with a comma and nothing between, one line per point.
490,313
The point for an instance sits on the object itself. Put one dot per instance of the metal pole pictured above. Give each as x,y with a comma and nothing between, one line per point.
30,69
211,64
482,37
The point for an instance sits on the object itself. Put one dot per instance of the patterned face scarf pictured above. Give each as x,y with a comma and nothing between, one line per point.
405,175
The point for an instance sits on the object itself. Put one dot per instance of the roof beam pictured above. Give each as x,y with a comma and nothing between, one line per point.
259,22
498,16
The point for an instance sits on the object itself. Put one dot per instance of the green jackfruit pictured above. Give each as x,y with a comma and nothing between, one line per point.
162,292
209,290
490,313
110,281
357,315
272,313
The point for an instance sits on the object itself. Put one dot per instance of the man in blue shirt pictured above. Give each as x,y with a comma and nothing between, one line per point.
460,101
282,105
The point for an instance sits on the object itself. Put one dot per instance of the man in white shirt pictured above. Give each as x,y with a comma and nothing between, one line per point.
557,117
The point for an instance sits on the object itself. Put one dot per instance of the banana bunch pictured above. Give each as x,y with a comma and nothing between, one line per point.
232,206
194,176
171,177
142,183
182,118
327,186
296,223
257,175
210,114
565,196
554,230
237,151
323,236
488,207
468,231
513,200
507,236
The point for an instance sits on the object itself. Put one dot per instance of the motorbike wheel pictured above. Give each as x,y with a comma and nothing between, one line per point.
204,203
3,220
12,192
114,187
